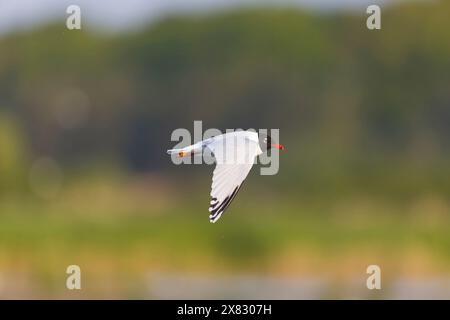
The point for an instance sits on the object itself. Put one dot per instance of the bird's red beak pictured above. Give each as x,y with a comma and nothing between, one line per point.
278,146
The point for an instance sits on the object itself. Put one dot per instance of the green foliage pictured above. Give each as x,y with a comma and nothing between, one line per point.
355,107
13,154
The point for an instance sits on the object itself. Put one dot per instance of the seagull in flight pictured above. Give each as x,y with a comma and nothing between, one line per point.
234,154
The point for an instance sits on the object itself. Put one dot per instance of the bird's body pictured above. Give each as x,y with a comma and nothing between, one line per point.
217,142
235,153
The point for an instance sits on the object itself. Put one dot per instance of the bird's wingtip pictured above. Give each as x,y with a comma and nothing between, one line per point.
214,218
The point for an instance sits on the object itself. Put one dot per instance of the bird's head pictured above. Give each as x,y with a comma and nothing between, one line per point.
266,143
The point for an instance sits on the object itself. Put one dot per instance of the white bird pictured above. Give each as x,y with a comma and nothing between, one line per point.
234,153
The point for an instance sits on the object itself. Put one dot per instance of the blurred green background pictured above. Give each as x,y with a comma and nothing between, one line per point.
86,117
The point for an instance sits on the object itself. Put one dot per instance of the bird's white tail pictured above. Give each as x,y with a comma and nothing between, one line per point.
181,152
172,151
186,151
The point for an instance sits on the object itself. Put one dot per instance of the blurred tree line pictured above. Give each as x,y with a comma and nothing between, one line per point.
352,104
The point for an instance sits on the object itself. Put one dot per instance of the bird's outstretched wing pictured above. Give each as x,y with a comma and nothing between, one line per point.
229,175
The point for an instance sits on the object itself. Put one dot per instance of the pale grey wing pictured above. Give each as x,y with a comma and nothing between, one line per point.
228,178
